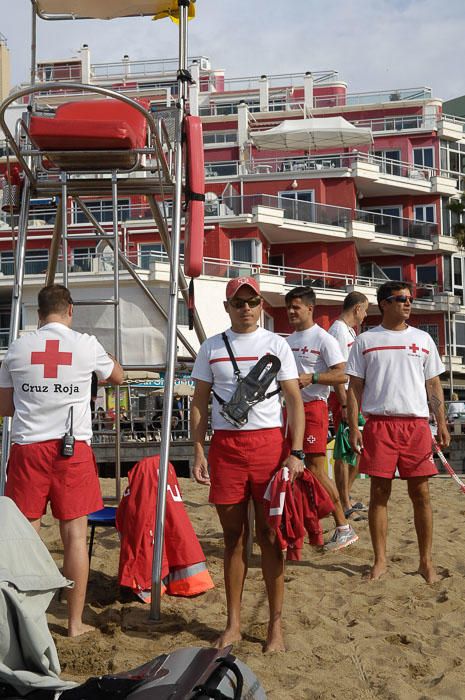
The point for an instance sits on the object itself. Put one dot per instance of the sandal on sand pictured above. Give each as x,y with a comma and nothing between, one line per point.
359,506
354,514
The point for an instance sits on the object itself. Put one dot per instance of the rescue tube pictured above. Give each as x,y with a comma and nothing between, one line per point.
195,196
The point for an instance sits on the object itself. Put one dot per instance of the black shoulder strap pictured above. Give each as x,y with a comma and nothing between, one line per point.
237,371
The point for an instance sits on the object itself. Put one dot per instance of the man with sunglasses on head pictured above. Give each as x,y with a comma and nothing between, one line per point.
242,459
394,370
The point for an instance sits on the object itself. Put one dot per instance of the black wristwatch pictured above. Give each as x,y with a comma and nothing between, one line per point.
300,454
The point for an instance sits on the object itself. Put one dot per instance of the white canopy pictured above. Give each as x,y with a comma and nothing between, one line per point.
311,134
107,9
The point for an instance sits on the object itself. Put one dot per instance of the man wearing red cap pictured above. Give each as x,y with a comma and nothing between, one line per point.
243,458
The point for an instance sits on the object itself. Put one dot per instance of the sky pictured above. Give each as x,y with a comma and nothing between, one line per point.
373,44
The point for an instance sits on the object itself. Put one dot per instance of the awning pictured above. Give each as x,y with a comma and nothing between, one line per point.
108,9
311,134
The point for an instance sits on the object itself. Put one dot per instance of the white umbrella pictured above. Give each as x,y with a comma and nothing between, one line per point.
311,134
108,9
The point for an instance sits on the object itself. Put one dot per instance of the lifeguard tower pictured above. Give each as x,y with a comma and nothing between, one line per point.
102,143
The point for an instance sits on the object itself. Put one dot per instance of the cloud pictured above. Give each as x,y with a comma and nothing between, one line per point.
374,44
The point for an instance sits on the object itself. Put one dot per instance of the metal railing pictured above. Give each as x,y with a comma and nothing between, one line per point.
330,161
397,225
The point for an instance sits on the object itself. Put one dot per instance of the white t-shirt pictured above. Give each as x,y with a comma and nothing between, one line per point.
395,365
345,336
50,370
213,365
314,351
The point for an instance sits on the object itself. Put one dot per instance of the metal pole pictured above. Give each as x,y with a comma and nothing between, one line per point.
15,314
451,374
172,321
64,225
117,332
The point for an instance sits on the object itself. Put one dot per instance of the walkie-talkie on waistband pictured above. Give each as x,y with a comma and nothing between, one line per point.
68,440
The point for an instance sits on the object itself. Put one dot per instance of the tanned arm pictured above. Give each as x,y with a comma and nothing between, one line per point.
354,402
296,419
199,424
436,400
7,407
333,377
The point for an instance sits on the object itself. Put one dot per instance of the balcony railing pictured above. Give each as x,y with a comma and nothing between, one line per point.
398,226
321,163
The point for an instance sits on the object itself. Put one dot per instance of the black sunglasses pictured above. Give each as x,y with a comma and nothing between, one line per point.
240,303
401,298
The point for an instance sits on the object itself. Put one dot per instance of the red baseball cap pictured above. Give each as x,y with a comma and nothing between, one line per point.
236,284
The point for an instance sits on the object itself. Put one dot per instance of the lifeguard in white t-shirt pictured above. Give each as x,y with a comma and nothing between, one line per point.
354,311
394,370
320,364
243,458
45,384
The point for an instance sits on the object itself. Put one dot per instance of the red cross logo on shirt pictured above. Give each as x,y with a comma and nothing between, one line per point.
413,347
304,349
51,358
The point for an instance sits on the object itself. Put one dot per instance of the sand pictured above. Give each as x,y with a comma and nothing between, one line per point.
394,638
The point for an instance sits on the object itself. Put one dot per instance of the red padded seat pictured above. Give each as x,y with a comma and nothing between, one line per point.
91,125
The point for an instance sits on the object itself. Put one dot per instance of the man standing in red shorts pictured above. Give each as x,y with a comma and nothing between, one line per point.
320,364
45,384
242,458
354,311
394,369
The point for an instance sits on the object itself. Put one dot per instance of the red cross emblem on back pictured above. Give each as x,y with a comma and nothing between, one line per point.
304,349
51,358
413,347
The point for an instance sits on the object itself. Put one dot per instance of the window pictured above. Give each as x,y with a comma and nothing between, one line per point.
276,261
394,273
425,213
214,137
82,259
297,204
36,262
423,157
384,223
246,250
427,274
183,313
432,329
102,209
145,253
387,166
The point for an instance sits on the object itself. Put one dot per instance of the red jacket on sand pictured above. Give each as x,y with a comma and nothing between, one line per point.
293,509
184,571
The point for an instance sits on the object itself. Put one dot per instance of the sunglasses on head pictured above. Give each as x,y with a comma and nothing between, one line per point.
401,298
240,303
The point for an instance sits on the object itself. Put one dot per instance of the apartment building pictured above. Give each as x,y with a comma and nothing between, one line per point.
339,209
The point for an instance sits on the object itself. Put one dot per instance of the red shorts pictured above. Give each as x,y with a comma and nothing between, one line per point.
37,474
242,463
336,409
316,427
402,442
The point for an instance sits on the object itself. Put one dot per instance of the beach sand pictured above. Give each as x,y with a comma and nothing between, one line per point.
394,638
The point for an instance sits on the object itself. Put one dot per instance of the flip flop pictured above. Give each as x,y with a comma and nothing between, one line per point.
359,506
354,511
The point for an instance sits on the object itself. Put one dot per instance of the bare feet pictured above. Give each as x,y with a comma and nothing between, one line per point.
428,572
229,636
274,641
376,572
75,630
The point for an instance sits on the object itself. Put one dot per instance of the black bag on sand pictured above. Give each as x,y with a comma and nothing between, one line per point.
191,673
